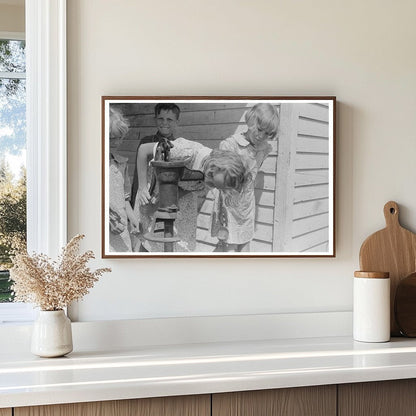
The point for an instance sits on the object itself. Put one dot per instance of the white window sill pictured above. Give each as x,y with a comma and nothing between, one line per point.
16,313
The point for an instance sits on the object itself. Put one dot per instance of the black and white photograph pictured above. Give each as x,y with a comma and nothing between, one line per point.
218,176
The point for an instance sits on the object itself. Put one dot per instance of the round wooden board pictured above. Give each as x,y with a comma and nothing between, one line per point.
405,305
393,250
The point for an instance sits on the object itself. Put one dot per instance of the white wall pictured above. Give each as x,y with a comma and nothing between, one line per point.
363,52
12,17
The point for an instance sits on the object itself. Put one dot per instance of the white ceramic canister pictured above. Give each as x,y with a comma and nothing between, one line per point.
371,309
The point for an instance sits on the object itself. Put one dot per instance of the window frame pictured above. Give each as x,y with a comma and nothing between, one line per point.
46,138
46,125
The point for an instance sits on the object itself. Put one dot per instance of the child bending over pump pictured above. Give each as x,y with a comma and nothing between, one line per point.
222,169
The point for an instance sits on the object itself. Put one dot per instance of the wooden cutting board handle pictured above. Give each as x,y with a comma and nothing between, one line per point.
393,250
391,214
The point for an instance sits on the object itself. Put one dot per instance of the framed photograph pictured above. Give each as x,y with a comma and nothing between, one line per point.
218,176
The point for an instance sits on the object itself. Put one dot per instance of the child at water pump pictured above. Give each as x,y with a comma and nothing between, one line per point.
222,169
233,217
166,118
121,213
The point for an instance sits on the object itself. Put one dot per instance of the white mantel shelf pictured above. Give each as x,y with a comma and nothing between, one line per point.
151,371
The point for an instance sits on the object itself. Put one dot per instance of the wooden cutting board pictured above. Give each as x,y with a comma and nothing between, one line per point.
393,250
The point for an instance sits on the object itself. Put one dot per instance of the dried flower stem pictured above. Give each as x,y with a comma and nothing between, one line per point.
53,285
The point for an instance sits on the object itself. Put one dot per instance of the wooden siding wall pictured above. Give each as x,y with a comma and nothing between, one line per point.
302,220
292,211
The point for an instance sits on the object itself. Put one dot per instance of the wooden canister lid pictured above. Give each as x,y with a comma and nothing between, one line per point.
372,275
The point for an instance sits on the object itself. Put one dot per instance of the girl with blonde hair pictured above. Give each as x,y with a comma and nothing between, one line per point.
233,216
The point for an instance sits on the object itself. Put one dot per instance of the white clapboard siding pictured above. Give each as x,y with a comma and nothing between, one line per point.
207,206
269,165
319,248
197,132
204,220
134,109
260,246
307,193
311,178
314,111
308,224
263,232
265,214
283,197
265,181
226,116
264,197
194,108
308,127
312,144
305,160
309,208
311,239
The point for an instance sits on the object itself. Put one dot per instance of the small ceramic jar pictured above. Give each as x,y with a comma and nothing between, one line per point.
371,309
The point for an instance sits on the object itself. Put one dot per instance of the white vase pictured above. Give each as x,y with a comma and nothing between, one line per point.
52,334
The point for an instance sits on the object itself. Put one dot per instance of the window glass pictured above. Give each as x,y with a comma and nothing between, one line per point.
12,56
12,156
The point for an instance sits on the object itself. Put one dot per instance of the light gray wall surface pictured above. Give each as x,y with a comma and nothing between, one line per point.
12,18
361,52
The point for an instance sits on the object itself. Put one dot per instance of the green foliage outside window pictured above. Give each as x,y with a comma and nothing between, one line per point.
12,223
6,294
12,145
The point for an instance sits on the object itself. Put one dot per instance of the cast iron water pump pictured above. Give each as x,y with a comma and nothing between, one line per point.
167,174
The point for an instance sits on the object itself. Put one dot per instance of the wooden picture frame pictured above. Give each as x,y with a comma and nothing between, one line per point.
290,175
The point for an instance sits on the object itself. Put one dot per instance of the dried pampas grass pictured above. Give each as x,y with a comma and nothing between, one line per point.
53,285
